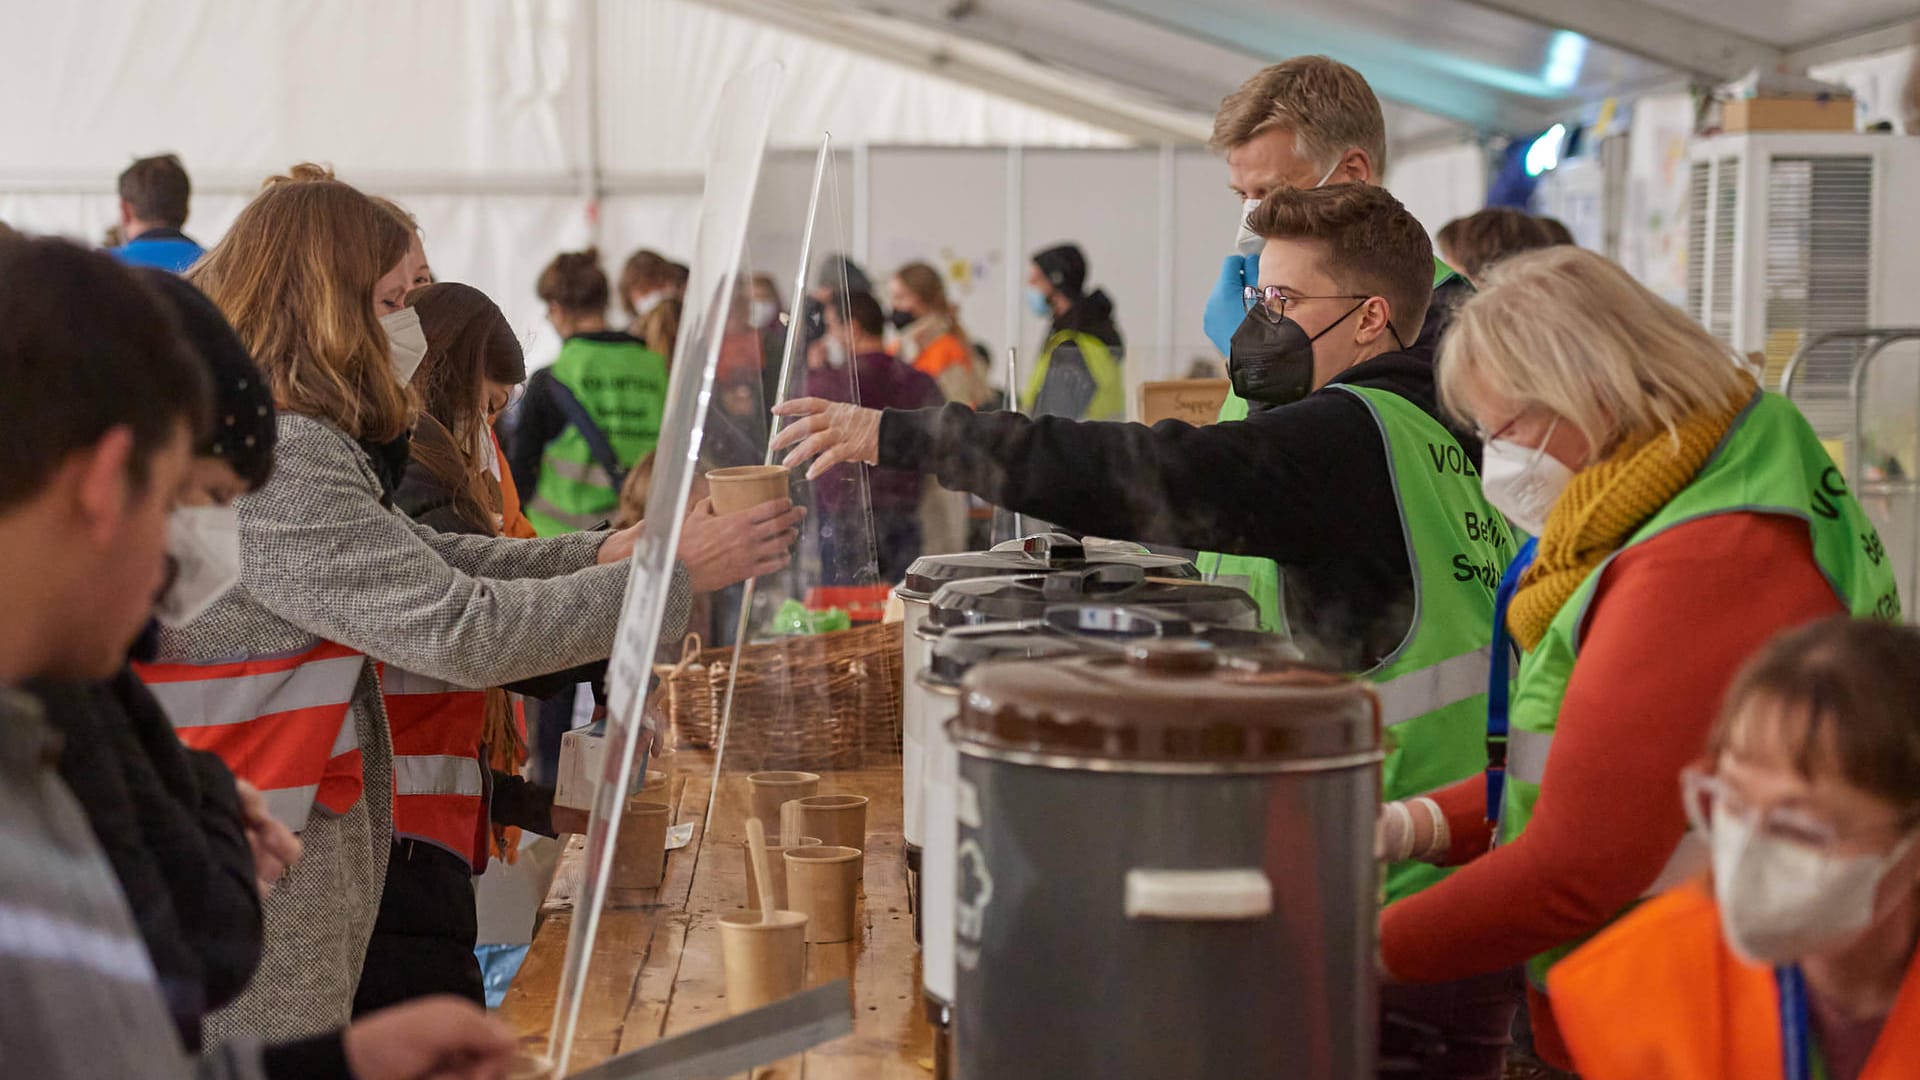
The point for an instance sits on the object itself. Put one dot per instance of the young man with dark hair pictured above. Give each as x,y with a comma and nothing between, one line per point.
103,408
154,193
1077,372
1346,475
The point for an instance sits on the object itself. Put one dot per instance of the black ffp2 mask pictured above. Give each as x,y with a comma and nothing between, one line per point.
1271,363
902,319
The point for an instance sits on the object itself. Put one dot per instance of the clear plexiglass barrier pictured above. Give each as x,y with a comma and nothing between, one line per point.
732,172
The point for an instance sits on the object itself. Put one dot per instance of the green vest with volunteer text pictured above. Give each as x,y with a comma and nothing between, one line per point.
1433,686
1769,462
1109,389
622,385
1259,576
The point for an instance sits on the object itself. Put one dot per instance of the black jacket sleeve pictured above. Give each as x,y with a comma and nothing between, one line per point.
546,686
1265,486
519,802
540,422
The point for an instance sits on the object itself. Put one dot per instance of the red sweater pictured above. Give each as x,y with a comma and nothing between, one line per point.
1673,620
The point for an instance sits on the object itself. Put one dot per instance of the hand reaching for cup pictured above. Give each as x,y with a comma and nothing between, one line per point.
829,432
721,549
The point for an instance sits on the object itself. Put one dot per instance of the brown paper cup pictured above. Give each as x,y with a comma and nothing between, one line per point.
746,486
655,786
640,853
765,962
775,866
822,882
838,820
771,789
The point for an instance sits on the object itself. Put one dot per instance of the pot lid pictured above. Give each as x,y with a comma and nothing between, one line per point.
1089,588
1080,630
1032,554
1163,703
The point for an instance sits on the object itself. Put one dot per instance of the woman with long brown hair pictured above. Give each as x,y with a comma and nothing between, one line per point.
931,338
335,585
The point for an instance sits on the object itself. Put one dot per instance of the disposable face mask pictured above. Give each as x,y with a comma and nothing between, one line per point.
1037,303
1523,482
836,353
409,342
203,544
761,313
1781,901
1271,363
644,305
1248,242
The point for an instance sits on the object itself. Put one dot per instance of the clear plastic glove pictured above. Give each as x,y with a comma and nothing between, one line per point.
1227,305
828,432
719,550
275,847
441,1036
1410,829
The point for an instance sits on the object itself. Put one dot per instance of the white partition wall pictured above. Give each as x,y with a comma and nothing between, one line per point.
947,207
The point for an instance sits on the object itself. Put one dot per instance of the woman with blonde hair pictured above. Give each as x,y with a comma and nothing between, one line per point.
931,338
1683,519
282,676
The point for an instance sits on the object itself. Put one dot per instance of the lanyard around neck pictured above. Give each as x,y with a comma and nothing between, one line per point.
1800,1059
1499,688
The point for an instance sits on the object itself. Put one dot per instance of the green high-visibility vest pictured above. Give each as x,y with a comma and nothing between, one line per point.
1109,389
622,384
1433,686
1770,462
1256,575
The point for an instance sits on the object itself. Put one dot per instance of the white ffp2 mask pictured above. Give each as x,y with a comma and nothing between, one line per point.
1246,241
409,342
203,543
1523,482
1781,901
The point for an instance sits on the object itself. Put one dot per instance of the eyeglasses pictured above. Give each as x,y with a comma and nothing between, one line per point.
1486,436
1273,303
1707,795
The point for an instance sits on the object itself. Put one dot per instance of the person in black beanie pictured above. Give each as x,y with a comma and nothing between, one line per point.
193,848
1077,374
172,821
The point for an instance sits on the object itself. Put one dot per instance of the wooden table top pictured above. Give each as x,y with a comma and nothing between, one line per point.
656,968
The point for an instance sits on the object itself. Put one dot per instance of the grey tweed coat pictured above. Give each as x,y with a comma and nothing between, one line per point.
322,559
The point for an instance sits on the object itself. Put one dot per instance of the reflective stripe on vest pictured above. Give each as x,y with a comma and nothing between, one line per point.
439,783
282,723
1769,462
1424,690
1433,685
589,473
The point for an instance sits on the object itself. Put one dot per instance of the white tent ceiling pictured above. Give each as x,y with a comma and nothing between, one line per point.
1156,70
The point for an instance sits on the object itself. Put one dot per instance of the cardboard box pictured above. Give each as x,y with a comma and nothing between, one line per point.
1787,114
583,754
1195,401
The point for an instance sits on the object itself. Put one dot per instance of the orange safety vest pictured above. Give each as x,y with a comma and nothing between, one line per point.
1660,996
439,780
282,723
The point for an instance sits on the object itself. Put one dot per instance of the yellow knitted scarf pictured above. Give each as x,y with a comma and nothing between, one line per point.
1602,506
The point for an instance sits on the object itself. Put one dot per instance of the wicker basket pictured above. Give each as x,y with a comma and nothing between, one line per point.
821,701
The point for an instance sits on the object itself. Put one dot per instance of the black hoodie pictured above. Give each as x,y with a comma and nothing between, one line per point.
1306,485
1069,387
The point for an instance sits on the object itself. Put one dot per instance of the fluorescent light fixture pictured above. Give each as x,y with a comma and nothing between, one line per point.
1544,155
1566,53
